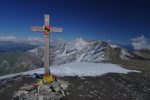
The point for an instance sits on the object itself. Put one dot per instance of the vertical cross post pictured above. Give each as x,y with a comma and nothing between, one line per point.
47,42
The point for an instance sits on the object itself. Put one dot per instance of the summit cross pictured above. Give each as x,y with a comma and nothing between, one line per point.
47,30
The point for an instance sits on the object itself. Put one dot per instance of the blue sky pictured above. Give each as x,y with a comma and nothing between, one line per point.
115,20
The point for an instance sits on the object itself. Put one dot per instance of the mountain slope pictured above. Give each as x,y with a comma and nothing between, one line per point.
81,50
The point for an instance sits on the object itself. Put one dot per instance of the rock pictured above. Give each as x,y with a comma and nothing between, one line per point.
20,94
27,87
53,91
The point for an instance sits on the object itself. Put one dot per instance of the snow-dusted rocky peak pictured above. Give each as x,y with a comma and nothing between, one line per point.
124,54
77,44
81,50
37,51
64,48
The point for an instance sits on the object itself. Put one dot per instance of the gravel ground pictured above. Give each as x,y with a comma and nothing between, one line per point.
112,86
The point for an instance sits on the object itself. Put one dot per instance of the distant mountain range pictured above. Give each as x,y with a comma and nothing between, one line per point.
16,57
81,50
6,47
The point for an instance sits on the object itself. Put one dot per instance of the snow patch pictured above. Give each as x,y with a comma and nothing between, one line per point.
78,69
113,46
87,69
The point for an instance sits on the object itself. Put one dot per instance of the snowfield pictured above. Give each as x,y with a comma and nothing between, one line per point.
78,69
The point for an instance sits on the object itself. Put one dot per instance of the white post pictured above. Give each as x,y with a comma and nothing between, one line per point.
46,54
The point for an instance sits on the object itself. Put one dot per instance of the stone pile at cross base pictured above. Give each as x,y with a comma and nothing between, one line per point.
45,89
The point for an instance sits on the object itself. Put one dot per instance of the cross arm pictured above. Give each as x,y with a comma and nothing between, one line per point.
36,28
55,29
52,29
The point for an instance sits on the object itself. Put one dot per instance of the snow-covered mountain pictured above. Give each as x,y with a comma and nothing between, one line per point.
20,57
81,50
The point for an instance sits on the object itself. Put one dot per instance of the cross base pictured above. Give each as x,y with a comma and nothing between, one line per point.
47,72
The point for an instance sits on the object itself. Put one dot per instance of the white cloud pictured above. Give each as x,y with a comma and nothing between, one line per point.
29,40
34,40
8,38
140,43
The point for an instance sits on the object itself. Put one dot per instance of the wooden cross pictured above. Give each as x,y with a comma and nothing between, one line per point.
47,29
